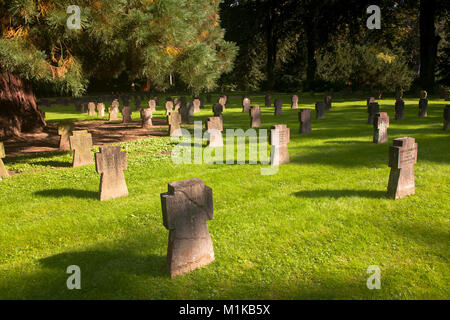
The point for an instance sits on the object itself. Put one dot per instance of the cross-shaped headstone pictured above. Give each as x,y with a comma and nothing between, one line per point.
294,102
372,109
447,117
91,109
152,105
81,142
399,109
320,110
304,116
186,207
380,126
3,172
65,129
101,109
196,104
126,115
255,117
402,158
169,107
146,116
279,139
245,104
215,128
278,104
110,162
267,100
174,121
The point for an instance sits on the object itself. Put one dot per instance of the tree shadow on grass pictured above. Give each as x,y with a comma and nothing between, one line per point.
66,192
336,194
54,164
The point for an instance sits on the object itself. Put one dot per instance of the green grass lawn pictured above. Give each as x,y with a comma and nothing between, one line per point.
308,232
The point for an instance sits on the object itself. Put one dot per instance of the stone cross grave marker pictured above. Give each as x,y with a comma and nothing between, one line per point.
320,110
279,139
278,104
372,109
65,129
214,128
3,172
146,117
399,109
402,158
174,121
447,117
267,100
380,128
245,104
114,111
294,102
152,105
100,110
110,162
304,116
91,109
196,102
186,207
81,142
126,115
169,107
328,102
423,105
255,117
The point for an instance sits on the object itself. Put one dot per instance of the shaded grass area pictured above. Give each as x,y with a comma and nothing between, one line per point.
308,232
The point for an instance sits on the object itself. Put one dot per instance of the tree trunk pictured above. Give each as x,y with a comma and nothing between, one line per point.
428,44
18,110
271,46
311,55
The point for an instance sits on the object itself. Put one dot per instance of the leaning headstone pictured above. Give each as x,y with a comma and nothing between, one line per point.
402,157
196,104
152,105
245,104
328,102
110,163
279,139
186,207
294,102
320,110
65,129
255,116
380,126
447,117
304,116
126,115
81,142
100,110
399,109
278,104
423,105
146,116
3,172
267,100
372,110
174,121
169,107
91,109
214,129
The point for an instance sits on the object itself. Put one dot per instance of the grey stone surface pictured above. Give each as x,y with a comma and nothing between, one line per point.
372,109
81,143
304,116
255,117
423,106
146,117
320,110
380,128
294,102
214,128
278,104
110,163
399,109
246,104
65,129
126,115
279,139
174,121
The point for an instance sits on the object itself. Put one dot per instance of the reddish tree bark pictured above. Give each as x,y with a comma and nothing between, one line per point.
18,110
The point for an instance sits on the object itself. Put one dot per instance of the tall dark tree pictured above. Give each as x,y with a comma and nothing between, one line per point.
428,43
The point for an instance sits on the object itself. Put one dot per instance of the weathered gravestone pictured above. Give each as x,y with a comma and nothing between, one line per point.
174,121
81,142
294,102
3,172
423,105
320,110
214,128
447,117
113,113
402,157
186,111
196,104
169,107
278,104
245,104
100,110
304,116
372,109
110,163
126,115
152,105
279,139
65,129
399,109
223,101
91,109
267,100
186,207
380,126
217,110
146,117
328,103
255,117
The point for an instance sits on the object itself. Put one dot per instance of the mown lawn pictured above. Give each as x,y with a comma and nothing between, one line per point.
308,232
